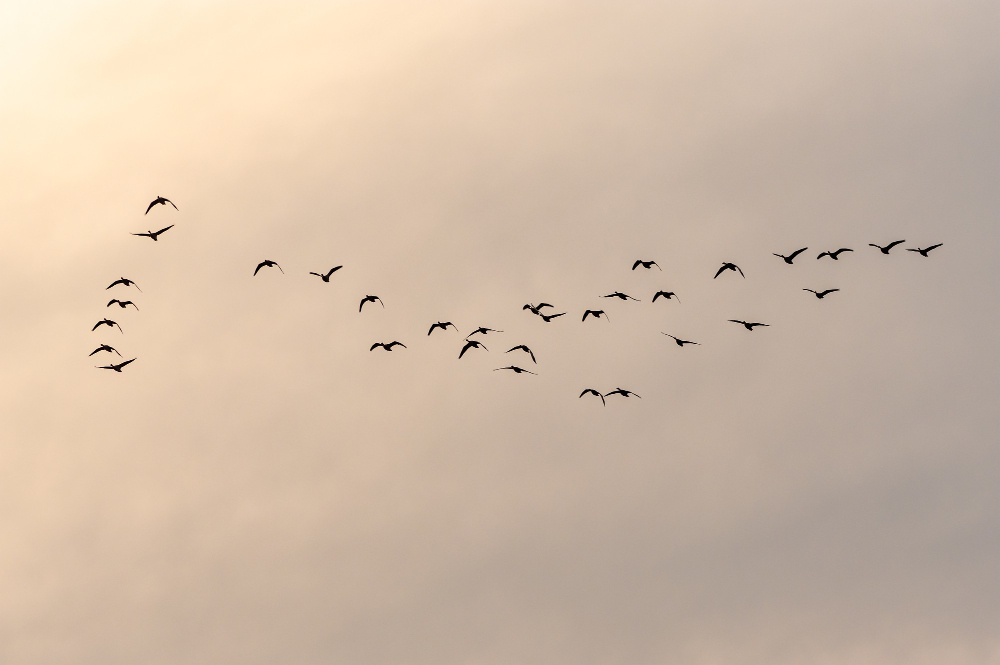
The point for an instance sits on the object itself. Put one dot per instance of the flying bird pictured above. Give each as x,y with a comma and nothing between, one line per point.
730,266
267,263
621,296
471,344
885,250
791,257
326,277
534,308
104,347
622,392
125,281
118,367
748,326
549,317
484,331
515,369
923,252
646,264
591,391
106,322
680,342
821,294
443,325
370,299
596,313
121,303
387,347
159,200
666,294
155,235
835,255
522,347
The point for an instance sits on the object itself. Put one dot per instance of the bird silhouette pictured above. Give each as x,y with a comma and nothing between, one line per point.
730,266
622,392
387,347
534,308
596,313
471,344
483,331
104,347
155,235
443,325
370,299
121,303
821,294
106,322
159,200
549,317
835,255
326,277
923,252
646,264
666,294
885,250
748,326
515,369
791,257
125,281
680,342
621,296
591,391
118,367
522,347
267,263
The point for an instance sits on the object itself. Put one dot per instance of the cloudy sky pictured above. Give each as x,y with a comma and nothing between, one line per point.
258,488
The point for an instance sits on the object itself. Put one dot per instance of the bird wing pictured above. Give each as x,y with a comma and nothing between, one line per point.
279,268
464,349
433,326
780,256
871,244
830,291
636,265
809,290
376,344
315,273
259,266
933,247
741,272
822,254
585,315
165,228
797,252
894,243
720,271
100,348
126,363
149,208
531,354
148,235
743,323
657,265
171,203
544,304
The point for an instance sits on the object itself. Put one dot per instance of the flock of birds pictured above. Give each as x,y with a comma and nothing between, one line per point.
539,309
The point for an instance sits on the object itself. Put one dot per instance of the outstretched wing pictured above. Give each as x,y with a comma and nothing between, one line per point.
893,244
259,266
720,271
375,345
150,207
933,247
120,365
170,202
165,228
636,264
741,272
797,252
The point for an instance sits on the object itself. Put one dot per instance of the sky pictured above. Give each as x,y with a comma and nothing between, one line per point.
258,487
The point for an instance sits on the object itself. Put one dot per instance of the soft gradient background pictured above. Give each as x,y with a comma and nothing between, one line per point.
259,488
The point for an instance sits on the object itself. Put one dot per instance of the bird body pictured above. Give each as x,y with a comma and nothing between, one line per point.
729,266
106,322
104,347
522,347
471,344
836,254
370,299
591,391
121,303
622,392
923,252
155,235
791,257
666,294
267,263
443,325
821,294
483,331
326,277
749,326
387,347
116,367
159,200
885,250
646,264
515,369
124,281
620,296
596,313
680,342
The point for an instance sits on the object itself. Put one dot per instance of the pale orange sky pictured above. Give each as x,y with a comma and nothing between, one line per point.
257,487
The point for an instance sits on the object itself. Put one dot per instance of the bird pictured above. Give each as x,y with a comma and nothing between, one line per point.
730,266
125,281
646,264
885,250
622,392
621,296
267,263
481,330
680,342
515,369
471,344
159,200
443,325
821,294
370,299
923,252
106,322
596,313
155,235
326,277
791,257
666,294
522,347
748,326
534,308
104,347
591,391
121,303
549,317
835,255
118,367
387,347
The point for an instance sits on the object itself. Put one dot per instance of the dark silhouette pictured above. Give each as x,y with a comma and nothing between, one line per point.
370,299
106,322
104,347
748,326
596,313
591,391
515,369
125,281
159,200
666,294
621,296
267,263
821,294
118,367
730,266
646,264
387,347
835,255
534,308
522,347
923,252
622,392
680,342
326,277
471,344
885,250
443,325
791,257
549,317
155,235
483,331
121,303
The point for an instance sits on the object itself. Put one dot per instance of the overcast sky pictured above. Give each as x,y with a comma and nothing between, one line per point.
257,487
